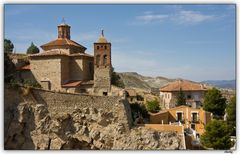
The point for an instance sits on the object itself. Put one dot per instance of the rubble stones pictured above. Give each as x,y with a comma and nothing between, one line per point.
33,127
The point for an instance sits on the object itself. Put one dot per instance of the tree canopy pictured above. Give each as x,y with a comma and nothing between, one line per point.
153,106
8,46
231,115
32,49
214,102
181,100
217,136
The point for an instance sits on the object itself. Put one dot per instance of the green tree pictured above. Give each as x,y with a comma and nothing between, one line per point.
139,108
32,49
9,68
231,115
181,100
116,80
217,136
153,106
8,46
214,102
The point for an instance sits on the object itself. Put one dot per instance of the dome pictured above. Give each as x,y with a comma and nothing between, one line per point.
102,39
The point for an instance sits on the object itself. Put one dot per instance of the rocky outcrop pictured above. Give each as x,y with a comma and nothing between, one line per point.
31,126
135,80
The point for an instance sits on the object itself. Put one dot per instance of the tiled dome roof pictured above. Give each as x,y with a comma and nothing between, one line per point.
102,39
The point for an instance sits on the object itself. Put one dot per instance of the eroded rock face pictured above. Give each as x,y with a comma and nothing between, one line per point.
31,126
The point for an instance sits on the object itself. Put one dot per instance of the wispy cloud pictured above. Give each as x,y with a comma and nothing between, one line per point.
149,17
191,17
178,17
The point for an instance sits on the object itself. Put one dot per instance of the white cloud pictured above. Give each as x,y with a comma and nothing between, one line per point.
179,17
150,17
191,17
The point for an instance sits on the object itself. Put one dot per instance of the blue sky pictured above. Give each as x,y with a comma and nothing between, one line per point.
195,42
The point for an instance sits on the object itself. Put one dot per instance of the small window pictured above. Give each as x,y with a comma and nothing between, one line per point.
104,59
179,116
98,59
105,93
193,126
194,117
97,47
188,96
105,47
101,46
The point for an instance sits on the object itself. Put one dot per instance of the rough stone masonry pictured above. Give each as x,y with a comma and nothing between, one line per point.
47,120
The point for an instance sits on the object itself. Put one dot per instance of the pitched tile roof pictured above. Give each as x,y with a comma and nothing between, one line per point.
184,85
131,92
58,53
63,42
72,83
26,67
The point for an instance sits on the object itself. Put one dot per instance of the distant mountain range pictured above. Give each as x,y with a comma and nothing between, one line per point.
135,80
229,84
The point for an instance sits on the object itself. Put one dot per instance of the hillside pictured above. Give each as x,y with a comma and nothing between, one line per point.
135,80
226,84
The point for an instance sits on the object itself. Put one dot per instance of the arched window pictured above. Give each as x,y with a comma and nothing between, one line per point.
98,59
104,59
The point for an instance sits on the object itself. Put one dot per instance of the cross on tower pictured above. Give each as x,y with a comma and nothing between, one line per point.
102,32
63,20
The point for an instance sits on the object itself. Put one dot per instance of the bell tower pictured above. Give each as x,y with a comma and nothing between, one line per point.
64,30
102,66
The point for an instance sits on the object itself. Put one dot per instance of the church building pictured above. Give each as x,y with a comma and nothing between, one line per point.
64,65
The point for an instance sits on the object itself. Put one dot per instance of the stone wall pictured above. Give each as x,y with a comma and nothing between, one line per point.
30,122
58,103
102,79
76,68
47,69
64,69
88,69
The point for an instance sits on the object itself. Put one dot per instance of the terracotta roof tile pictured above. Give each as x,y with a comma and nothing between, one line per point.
72,83
26,67
185,85
81,54
131,92
49,53
58,53
63,42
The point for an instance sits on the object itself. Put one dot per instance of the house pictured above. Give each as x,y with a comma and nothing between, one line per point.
131,95
191,118
194,93
64,65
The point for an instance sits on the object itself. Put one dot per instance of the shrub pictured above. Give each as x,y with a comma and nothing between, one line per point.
139,108
31,83
153,106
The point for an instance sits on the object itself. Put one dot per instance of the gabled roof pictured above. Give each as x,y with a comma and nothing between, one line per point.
26,68
63,42
72,83
184,85
131,92
58,53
